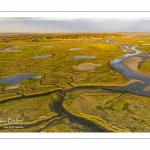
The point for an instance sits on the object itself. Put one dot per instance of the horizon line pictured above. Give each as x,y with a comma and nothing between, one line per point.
73,32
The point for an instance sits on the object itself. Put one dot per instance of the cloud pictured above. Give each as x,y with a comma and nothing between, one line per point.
20,24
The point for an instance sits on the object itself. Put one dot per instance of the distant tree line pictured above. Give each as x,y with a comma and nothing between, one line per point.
46,37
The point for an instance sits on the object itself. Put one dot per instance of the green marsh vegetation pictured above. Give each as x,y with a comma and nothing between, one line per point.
116,111
34,99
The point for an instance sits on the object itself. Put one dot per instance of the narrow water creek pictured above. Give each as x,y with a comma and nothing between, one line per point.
136,87
122,67
64,113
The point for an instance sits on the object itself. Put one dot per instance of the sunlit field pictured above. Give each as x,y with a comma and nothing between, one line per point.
43,104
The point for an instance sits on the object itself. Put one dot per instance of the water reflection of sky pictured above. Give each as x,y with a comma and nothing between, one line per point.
16,79
83,57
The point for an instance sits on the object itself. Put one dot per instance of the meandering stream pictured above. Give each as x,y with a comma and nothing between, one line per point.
136,87
143,80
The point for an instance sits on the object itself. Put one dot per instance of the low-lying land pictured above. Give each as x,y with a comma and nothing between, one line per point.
43,104
116,111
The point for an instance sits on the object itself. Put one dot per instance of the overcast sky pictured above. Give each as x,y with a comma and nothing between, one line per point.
75,24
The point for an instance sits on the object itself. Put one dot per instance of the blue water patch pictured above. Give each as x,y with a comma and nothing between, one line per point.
83,57
16,79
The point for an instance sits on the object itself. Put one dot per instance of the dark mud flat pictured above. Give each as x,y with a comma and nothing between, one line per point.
16,79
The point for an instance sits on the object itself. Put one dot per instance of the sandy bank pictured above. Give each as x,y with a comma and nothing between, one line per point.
147,89
126,51
132,63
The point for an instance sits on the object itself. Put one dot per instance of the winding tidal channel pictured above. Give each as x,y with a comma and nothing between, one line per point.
127,65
